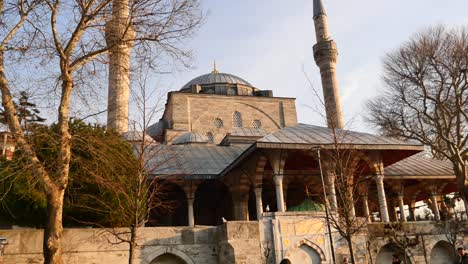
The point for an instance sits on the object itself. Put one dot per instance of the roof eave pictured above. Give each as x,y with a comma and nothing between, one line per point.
415,177
346,146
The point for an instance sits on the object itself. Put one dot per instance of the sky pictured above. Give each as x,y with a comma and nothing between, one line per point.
269,43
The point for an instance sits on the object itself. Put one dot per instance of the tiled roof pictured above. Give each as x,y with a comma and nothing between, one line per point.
192,161
309,135
248,132
418,165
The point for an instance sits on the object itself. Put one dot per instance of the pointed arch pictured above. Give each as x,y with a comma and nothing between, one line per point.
308,249
149,258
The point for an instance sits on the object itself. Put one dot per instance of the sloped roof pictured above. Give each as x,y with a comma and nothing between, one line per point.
418,166
192,161
137,136
248,132
303,136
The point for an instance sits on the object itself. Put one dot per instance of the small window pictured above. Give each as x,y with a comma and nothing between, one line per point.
210,137
256,123
218,122
236,119
231,91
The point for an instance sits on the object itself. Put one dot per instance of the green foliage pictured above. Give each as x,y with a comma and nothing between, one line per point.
95,152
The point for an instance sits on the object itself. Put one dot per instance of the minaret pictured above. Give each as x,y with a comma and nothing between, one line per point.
326,55
118,34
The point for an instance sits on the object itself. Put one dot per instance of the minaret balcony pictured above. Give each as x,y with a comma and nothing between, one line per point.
325,50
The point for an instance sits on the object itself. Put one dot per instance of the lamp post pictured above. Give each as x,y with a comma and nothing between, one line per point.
3,243
326,207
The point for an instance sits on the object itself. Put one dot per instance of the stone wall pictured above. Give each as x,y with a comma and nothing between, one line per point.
231,243
93,246
422,237
298,236
197,112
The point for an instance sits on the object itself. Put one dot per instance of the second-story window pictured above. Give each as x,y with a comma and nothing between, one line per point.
236,119
256,123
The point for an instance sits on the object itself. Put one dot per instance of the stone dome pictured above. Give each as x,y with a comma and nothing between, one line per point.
223,84
190,138
216,78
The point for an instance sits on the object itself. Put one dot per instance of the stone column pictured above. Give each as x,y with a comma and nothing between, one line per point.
279,192
401,204
382,199
435,207
241,210
259,203
366,207
331,191
190,188
191,219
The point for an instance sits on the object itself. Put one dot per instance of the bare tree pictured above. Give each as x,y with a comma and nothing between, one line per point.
137,190
402,243
68,36
344,167
454,226
425,96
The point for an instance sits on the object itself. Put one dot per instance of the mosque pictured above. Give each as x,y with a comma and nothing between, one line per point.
237,153
248,181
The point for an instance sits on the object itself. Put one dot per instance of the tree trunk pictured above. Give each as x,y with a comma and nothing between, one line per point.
132,244
53,231
351,251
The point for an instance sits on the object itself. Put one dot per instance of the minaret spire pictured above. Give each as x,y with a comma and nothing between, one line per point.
326,55
318,8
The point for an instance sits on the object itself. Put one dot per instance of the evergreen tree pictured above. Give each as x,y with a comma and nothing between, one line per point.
95,151
28,114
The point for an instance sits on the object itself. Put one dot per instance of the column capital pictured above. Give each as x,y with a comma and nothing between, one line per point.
278,179
258,191
379,177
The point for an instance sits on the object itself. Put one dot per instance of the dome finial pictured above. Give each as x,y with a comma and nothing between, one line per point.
215,69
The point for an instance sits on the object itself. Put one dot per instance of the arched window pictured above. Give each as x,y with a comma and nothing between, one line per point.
218,122
210,137
236,119
256,123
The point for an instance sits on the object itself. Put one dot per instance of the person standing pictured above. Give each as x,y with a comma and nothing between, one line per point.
462,256
396,259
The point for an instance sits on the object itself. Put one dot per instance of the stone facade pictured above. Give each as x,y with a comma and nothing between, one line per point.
197,113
